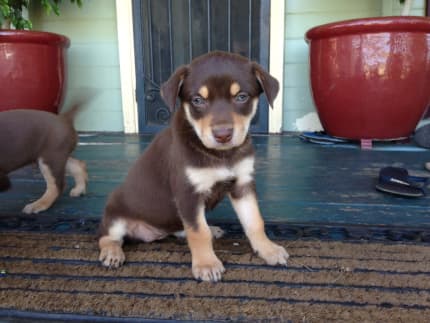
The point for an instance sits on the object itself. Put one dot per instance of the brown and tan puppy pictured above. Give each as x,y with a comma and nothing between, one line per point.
204,155
28,136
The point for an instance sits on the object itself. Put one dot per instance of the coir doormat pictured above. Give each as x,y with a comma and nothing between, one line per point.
52,275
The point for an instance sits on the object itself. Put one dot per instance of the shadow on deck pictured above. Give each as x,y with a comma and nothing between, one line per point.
304,190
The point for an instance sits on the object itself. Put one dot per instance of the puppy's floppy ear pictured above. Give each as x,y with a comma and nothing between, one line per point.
170,89
268,83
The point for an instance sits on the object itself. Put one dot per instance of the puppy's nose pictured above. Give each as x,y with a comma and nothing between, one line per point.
222,134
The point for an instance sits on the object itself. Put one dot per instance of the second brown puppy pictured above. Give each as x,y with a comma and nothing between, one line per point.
28,136
189,167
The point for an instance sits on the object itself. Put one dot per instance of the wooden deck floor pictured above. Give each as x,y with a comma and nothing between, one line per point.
297,182
305,190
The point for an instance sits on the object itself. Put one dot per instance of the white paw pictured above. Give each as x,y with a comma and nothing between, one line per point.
273,254
209,270
77,191
217,232
35,207
112,256
180,234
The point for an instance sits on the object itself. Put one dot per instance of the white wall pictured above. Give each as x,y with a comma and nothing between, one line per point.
92,59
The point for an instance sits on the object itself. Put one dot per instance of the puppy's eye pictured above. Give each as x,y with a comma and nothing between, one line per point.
242,97
198,101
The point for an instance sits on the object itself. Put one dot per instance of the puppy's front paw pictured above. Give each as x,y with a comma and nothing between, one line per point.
112,256
273,254
210,270
36,207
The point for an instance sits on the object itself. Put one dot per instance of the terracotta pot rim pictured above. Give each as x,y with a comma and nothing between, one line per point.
30,36
370,25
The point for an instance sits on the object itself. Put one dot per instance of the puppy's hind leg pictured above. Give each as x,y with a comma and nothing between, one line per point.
111,254
54,180
78,170
217,232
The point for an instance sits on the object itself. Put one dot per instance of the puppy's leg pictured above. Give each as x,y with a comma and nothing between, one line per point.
246,207
78,170
54,180
4,182
111,254
205,264
110,244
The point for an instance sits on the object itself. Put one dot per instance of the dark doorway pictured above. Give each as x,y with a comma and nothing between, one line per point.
170,33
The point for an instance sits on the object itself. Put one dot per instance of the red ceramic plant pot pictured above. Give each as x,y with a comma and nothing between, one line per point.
32,70
370,78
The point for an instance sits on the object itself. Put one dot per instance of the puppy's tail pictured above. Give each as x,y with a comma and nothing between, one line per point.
85,95
4,182
70,114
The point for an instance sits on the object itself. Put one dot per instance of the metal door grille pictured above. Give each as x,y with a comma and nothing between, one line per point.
170,33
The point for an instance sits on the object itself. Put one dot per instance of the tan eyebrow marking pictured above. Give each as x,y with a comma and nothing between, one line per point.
234,88
204,92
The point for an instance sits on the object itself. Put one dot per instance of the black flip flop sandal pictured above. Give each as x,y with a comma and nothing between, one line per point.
396,180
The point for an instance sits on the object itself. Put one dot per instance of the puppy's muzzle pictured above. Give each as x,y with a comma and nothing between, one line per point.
222,134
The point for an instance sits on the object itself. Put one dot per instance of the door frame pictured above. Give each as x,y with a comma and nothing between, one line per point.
126,53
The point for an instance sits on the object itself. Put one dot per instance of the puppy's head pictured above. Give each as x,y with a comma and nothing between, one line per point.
219,94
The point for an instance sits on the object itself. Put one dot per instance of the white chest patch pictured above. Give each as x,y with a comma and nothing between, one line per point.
204,178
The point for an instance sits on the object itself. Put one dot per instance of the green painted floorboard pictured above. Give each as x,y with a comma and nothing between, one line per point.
297,182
